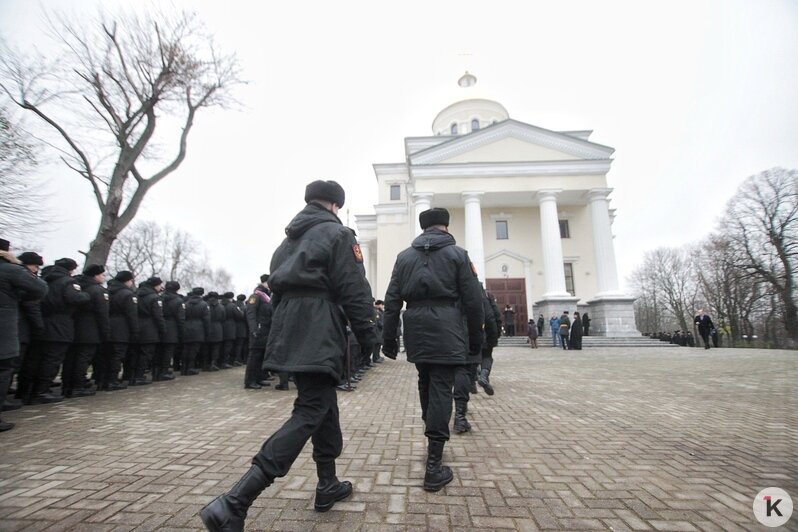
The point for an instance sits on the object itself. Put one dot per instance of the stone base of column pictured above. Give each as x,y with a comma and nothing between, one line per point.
613,317
553,307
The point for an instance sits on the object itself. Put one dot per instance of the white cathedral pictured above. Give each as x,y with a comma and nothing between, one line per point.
530,206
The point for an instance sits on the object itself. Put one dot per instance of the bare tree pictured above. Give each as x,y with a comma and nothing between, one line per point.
22,201
762,222
666,275
117,79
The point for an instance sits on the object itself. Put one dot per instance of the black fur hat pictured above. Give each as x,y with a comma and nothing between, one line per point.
172,286
93,269
154,281
67,264
5,245
241,297
124,276
197,291
31,257
434,216
325,190
229,295
264,277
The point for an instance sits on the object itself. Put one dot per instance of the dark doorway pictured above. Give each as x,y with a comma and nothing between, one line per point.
510,292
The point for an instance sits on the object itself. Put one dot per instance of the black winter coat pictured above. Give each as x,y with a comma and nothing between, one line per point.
241,320
63,299
198,320
174,313
17,284
259,317
444,316
319,282
152,325
124,312
218,315
92,321
229,326
496,316
31,323
492,322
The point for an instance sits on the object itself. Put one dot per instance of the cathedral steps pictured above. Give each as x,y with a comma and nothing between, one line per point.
588,341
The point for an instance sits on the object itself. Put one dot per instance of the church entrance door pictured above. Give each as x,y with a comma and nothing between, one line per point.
510,292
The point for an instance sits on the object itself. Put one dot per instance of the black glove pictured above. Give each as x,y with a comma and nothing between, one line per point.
475,349
390,347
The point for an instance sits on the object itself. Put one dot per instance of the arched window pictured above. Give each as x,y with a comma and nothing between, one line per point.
474,124
453,128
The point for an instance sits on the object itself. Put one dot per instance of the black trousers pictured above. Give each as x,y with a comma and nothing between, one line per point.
705,338
435,383
254,372
565,341
315,417
163,359
487,358
52,355
375,353
76,363
117,353
6,372
227,352
28,354
463,377
142,359
190,352
239,355
214,350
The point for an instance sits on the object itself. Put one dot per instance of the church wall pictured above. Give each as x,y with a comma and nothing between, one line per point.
580,248
514,184
509,149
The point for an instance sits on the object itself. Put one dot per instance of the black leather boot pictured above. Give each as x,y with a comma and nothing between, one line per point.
484,381
437,475
329,489
461,424
226,513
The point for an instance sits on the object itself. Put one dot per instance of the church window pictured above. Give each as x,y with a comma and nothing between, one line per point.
502,232
569,278
565,231
475,125
453,128
396,192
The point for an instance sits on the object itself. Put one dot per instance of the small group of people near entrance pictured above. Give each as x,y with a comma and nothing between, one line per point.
449,326
566,332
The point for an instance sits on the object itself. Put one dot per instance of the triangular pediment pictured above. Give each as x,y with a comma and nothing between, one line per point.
511,141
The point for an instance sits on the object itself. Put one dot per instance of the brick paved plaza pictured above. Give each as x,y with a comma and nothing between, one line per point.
604,439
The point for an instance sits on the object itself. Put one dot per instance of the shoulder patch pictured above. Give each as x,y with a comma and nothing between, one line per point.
357,252
473,269
160,303
252,300
183,305
135,300
105,295
76,287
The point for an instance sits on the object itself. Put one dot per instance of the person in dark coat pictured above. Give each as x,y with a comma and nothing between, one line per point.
486,365
565,329
242,332
541,325
196,329
258,313
64,298
442,326
16,284
216,332
576,332
586,323
316,272
532,334
31,328
705,327
174,314
466,375
124,313
152,329
229,329
379,309
92,329
509,321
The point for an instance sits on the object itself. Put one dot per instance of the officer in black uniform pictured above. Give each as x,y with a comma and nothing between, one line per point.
31,328
196,329
174,314
92,329
466,375
63,299
228,329
152,328
486,365
215,333
259,318
442,325
317,271
242,332
124,313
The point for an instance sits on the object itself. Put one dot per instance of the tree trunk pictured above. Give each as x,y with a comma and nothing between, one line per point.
100,247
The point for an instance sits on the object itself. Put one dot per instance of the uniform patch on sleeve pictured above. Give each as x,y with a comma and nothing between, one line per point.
160,303
473,269
357,252
105,295
76,287
135,300
252,300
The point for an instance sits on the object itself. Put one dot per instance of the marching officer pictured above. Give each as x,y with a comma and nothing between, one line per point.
242,332
152,328
174,314
317,271
215,332
196,330
31,328
442,326
124,314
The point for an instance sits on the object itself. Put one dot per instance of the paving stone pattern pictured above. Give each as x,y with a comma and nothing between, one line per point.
602,439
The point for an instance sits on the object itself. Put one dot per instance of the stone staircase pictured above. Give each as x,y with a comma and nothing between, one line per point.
588,341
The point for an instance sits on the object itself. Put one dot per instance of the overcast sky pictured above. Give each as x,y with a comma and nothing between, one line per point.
694,96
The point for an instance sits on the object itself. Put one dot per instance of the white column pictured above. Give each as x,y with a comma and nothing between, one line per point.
551,242
606,270
528,288
422,202
365,249
473,231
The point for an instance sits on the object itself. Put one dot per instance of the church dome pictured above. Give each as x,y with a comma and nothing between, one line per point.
469,114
